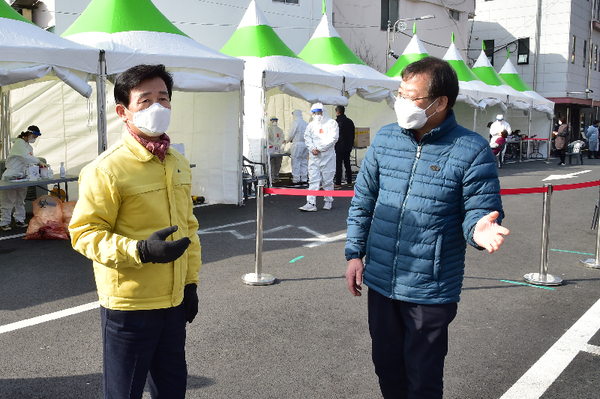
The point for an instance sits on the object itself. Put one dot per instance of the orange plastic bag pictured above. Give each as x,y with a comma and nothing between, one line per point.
46,223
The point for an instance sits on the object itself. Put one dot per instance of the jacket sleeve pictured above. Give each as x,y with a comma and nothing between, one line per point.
481,193
194,251
20,149
308,137
360,215
94,220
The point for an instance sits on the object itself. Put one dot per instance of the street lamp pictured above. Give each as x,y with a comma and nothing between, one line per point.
394,28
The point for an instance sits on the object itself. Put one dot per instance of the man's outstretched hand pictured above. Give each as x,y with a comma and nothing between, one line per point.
489,234
157,250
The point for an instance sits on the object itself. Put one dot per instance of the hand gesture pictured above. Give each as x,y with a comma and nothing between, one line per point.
489,234
156,249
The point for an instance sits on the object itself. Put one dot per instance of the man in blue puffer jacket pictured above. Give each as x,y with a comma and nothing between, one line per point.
426,188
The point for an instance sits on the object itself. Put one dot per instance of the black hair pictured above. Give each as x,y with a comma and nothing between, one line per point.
32,128
596,121
134,75
442,77
341,109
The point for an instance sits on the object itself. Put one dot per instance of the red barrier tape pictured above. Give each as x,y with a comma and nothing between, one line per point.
506,191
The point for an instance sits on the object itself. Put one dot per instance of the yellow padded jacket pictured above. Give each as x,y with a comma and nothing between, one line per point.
125,195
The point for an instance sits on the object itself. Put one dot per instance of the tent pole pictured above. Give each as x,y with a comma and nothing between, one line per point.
475,120
241,143
101,101
265,130
4,123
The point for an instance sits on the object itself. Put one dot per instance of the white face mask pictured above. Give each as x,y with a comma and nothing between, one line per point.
411,116
32,140
152,121
274,124
318,117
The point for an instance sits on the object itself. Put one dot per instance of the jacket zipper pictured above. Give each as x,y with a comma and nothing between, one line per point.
410,181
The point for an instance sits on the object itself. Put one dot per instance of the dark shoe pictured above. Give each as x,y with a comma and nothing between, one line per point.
337,186
21,224
5,227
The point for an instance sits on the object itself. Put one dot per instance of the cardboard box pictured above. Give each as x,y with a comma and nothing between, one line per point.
362,137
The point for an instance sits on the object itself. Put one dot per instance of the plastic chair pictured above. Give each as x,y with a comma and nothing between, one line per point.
575,149
250,178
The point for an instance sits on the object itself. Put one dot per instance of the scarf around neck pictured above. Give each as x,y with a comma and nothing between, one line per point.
158,148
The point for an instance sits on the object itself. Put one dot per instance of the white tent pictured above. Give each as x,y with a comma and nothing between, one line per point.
28,54
275,79
207,94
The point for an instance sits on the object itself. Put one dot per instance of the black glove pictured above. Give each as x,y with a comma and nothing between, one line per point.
190,302
156,250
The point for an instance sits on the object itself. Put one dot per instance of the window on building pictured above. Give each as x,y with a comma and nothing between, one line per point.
573,49
584,52
489,50
596,12
389,12
455,15
523,51
595,57
286,1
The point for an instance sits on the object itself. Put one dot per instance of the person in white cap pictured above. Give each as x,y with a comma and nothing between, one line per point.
497,127
299,152
17,164
320,137
276,139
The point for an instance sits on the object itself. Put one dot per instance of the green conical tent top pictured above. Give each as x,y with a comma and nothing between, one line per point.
414,51
327,47
254,37
511,76
455,60
113,16
7,11
484,70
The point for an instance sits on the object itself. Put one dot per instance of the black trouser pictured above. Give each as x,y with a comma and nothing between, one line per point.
144,343
342,157
409,342
561,155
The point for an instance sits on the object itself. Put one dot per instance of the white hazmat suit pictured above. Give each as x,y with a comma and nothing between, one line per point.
17,165
497,127
299,152
276,140
320,137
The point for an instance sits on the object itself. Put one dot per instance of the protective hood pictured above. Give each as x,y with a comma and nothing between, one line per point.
297,114
319,106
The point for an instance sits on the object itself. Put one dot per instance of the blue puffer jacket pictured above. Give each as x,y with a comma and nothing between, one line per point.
415,208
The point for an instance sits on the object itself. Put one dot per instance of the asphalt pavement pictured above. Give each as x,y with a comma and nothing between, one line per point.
306,336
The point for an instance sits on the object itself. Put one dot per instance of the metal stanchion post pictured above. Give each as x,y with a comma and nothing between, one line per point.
543,278
595,263
258,278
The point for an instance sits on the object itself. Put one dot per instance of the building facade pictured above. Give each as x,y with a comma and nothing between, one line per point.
554,46
363,25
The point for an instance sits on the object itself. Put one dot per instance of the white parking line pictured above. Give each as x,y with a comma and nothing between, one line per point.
48,317
546,370
13,236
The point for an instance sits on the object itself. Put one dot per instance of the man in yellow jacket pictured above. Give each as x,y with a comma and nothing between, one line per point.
134,219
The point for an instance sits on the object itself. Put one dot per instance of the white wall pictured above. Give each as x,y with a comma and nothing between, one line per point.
358,23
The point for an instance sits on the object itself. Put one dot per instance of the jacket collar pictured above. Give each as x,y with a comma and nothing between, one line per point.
448,124
138,150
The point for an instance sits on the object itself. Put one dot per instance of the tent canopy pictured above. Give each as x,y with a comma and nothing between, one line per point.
509,74
29,53
270,63
135,32
327,51
414,51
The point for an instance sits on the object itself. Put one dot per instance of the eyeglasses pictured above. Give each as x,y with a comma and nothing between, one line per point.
409,98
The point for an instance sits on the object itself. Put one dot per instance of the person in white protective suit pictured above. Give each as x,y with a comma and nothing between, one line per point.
17,166
276,140
299,152
497,127
320,137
